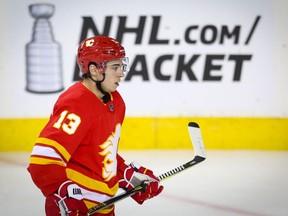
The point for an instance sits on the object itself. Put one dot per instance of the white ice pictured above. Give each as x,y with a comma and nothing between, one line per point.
227,183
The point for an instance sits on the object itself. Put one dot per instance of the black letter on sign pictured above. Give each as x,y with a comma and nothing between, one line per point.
143,72
239,59
154,32
186,67
157,67
138,30
209,67
204,34
88,24
187,33
225,33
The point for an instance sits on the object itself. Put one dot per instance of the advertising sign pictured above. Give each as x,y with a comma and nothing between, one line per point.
200,58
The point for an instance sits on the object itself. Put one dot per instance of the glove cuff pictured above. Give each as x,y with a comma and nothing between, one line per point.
63,187
70,189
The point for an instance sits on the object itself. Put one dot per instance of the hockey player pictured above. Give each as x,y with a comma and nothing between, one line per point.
75,160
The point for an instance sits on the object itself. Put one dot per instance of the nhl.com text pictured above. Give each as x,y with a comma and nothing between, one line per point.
181,65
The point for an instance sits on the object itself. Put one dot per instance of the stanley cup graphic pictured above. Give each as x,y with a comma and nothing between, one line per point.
43,54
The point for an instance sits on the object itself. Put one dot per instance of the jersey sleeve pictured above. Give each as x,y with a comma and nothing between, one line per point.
121,167
63,133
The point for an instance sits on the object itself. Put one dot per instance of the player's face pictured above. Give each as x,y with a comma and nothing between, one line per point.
113,74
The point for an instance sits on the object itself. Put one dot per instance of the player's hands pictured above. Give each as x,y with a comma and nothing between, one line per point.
135,175
68,201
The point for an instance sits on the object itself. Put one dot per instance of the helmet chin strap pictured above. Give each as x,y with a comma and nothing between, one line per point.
106,98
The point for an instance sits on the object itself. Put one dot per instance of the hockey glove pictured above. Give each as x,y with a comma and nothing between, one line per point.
135,175
67,202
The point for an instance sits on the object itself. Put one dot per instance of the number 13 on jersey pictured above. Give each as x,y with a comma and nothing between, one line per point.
71,126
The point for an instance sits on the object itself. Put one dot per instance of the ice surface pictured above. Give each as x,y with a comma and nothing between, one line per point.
251,183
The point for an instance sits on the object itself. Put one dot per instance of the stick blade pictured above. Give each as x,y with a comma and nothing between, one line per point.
196,139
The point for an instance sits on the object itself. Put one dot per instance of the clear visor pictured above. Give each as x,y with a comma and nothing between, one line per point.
125,64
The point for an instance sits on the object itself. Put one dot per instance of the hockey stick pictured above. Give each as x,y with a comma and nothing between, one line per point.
200,155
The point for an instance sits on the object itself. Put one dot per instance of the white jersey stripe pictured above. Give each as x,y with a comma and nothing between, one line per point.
46,152
94,196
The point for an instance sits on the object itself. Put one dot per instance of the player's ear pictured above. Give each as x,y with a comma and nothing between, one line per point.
93,69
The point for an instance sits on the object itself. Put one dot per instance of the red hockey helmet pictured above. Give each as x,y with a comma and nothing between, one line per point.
100,50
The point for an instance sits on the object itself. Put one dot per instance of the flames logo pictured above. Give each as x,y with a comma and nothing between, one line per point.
109,153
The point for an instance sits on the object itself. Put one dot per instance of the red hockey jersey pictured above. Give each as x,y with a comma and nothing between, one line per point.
80,143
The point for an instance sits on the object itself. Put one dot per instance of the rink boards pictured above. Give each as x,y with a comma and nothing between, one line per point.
167,133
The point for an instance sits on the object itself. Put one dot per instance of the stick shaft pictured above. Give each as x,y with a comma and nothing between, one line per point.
200,155
196,160
129,193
